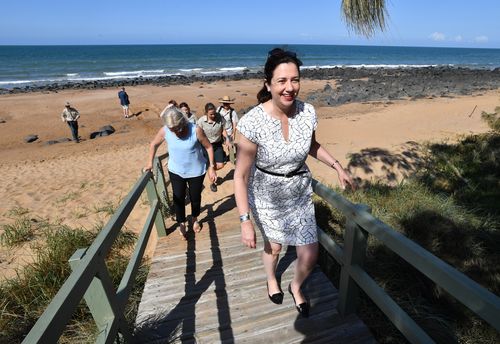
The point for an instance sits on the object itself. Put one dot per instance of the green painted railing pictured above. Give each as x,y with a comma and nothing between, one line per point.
360,223
90,279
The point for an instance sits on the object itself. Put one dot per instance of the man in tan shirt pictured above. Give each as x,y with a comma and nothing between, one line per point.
216,128
71,115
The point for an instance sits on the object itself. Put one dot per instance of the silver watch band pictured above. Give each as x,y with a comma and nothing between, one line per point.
244,217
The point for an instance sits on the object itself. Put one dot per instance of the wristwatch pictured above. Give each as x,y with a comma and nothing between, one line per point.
244,217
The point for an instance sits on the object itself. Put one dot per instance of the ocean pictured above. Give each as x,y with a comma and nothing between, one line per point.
39,65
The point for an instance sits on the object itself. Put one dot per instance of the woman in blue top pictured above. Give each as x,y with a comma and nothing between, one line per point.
186,163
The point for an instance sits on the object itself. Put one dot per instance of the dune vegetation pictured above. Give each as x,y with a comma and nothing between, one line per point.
450,207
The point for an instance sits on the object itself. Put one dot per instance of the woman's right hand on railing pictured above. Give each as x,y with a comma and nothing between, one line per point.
148,167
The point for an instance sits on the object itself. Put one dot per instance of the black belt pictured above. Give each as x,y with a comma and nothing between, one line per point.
286,175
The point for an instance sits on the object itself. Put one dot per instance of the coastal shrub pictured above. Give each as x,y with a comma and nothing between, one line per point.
468,172
451,209
24,297
492,119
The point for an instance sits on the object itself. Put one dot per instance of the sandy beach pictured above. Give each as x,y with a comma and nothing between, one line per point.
68,182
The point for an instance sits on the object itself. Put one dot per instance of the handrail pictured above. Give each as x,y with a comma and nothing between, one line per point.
90,278
360,221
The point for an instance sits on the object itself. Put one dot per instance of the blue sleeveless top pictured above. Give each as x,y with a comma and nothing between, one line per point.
185,154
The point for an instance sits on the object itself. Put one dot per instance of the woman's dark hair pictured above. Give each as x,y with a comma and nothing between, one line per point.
184,104
275,57
209,106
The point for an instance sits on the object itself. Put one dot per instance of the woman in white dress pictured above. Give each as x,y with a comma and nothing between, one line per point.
271,178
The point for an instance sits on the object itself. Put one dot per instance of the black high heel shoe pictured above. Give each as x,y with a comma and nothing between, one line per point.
275,298
303,308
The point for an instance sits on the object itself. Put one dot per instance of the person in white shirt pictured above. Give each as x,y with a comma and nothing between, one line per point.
71,115
231,117
229,114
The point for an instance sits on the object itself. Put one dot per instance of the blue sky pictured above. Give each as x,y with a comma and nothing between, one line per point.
437,23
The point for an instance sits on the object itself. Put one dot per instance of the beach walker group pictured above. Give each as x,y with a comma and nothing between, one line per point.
272,183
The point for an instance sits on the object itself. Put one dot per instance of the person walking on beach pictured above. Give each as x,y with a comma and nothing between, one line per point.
186,110
229,114
271,179
216,128
124,102
71,115
187,165
171,103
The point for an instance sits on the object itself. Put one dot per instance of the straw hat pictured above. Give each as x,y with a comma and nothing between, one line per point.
226,100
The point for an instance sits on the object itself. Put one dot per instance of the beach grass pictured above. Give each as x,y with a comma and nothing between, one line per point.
17,233
107,207
17,211
451,209
24,297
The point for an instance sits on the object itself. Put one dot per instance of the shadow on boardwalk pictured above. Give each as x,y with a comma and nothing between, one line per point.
180,322
211,289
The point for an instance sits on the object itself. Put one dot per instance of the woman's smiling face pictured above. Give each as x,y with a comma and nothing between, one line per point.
285,85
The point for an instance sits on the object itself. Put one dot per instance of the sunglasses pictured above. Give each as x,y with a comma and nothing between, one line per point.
278,52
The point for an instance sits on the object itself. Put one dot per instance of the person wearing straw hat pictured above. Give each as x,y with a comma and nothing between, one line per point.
70,115
231,117
229,114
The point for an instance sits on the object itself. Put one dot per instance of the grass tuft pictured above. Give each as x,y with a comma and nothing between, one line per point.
17,212
22,230
108,208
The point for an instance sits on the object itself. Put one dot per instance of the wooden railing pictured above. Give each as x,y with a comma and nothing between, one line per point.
90,279
360,223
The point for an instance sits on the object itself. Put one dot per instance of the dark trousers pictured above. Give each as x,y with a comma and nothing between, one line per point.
73,125
179,190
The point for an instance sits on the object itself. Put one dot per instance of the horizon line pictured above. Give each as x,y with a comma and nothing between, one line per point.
272,44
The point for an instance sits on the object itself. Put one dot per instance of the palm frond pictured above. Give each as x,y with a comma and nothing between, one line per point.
364,17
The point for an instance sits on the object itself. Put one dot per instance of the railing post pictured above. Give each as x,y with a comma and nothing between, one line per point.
152,196
161,185
101,301
355,241
232,153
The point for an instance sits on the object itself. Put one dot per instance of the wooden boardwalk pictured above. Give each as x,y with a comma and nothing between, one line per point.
211,289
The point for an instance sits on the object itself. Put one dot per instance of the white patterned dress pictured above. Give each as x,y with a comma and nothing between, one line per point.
282,207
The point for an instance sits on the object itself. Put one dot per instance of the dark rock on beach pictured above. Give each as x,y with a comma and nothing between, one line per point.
31,138
108,128
351,84
361,85
103,131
